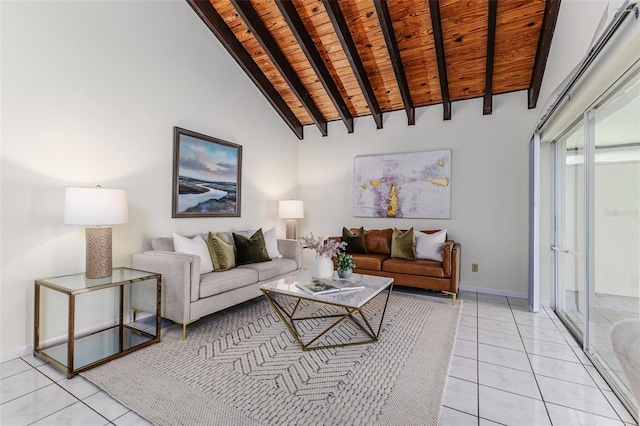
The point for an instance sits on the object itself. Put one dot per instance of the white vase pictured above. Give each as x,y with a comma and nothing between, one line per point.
321,267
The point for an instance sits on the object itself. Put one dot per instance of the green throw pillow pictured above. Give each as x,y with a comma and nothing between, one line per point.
250,250
221,253
403,244
355,242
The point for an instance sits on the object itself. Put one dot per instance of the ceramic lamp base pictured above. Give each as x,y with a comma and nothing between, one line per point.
291,229
99,259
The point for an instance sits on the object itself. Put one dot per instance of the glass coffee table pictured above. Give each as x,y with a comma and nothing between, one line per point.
310,318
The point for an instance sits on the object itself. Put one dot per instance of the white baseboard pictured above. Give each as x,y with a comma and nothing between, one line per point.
497,292
16,353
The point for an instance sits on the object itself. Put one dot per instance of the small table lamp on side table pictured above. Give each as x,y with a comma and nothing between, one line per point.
95,207
291,210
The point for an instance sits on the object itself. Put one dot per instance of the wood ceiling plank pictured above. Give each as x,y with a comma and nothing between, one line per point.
205,10
388,32
269,45
242,33
301,34
342,31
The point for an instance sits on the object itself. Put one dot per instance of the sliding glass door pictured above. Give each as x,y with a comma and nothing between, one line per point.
570,241
597,225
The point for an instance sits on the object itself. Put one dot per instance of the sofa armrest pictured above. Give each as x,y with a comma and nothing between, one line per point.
291,249
451,263
447,257
180,282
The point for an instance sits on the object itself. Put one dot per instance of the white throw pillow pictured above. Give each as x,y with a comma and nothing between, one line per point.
429,246
196,246
270,241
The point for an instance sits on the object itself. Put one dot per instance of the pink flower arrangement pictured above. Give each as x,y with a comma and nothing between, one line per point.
326,248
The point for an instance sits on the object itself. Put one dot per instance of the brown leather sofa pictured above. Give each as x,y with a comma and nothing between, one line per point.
421,273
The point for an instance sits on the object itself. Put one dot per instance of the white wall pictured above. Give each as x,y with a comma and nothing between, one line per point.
90,94
92,90
489,182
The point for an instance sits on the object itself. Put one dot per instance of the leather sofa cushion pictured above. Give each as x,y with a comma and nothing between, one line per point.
268,270
378,241
371,262
429,268
219,282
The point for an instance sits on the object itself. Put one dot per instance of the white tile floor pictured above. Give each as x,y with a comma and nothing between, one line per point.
510,366
514,367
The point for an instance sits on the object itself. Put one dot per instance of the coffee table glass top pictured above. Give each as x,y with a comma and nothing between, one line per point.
373,285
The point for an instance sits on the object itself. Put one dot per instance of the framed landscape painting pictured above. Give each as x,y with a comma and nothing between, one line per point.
206,175
409,185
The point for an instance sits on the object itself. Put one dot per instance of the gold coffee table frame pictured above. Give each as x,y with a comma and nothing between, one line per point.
352,302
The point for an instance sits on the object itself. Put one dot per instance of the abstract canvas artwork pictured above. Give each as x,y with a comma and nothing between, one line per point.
206,176
408,185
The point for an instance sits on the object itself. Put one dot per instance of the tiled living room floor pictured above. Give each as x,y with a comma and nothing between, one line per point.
510,366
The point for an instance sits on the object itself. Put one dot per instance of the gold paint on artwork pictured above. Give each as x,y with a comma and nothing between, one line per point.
376,183
392,208
441,163
442,181
364,186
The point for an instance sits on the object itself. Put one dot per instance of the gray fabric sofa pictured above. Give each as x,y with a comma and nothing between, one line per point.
187,295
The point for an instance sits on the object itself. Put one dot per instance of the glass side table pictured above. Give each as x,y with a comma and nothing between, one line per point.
78,351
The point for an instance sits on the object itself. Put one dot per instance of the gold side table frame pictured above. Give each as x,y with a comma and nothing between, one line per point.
352,312
63,355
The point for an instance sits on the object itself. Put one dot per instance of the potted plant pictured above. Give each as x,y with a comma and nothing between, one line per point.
322,265
345,265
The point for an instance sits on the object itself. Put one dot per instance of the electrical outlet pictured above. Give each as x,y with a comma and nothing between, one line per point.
474,267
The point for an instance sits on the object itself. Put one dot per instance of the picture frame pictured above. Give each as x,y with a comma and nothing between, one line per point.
413,185
207,176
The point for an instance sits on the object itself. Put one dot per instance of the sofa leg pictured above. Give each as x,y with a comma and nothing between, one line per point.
453,296
184,328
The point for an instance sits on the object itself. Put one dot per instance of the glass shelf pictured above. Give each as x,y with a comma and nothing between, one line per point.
75,352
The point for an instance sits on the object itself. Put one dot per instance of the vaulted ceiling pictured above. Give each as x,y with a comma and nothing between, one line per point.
317,61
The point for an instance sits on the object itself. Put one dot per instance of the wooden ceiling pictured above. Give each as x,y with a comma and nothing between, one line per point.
324,60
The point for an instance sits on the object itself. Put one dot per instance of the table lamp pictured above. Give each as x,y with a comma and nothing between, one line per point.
291,210
96,207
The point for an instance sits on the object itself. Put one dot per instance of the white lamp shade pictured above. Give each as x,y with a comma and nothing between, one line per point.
291,209
95,206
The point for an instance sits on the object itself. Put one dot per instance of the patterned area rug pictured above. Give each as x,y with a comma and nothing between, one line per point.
243,367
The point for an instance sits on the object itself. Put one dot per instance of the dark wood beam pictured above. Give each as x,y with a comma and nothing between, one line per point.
551,9
487,108
382,9
271,48
205,10
434,8
290,14
351,52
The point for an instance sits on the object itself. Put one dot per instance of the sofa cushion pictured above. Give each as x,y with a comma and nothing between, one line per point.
378,241
221,252
250,250
428,268
269,270
355,241
270,241
403,244
219,282
429,246
163,244
196,246
371,262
